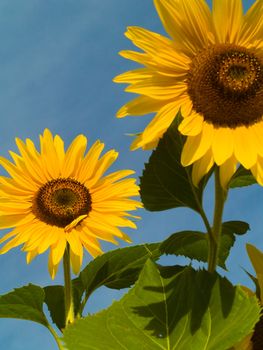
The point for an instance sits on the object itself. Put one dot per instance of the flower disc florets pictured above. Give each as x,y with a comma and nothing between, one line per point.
60,201
225,84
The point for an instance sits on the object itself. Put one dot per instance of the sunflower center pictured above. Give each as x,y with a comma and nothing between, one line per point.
237,72
60,201
225,84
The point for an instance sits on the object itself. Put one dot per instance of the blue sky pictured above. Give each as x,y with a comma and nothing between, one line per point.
57,62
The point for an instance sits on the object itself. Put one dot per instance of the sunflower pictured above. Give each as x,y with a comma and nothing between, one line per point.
210,68
56,198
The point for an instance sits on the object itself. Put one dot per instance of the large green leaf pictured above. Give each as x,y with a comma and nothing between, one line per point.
118,268
24,303
54,298
194,244
169,308
242,178
165,183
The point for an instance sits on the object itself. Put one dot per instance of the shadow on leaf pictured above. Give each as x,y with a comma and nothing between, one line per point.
186,296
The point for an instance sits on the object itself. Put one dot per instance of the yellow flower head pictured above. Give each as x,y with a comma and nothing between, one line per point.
211,68
55,197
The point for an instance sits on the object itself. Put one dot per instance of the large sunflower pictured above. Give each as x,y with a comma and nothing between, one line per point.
211,68
54,198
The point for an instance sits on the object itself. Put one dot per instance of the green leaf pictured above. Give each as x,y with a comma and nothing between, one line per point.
118,268
165,183
169,309
242,178
256,258
191,244
236,227
194,244
24,303
54,298
255,281
227,241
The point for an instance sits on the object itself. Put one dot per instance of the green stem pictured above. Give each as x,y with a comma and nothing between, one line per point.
68,293
200,207
56,337
214,240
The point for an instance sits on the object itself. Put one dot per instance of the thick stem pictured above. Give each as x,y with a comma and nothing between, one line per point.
56,337
200,207
68,293
214,240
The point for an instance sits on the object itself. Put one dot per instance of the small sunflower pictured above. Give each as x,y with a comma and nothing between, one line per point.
211,68
56,197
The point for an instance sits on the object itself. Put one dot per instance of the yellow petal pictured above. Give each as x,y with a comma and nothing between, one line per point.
118,205
88,235
50,238
133,76
192,125
160,122
49,154
52,268
115,176
223,144
74,156
146,145
257,170
103,228
74,223
31,255
167,55
227,170
159,87
188,22
228,19
201,167
125,188
76,260
102,166
74,242
196,146
24,180
257,132
140,106
89,163
187,106
252,27
139,57
59,146
8,235
32,164
8,221
94,251
245,149
11,187
57,250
